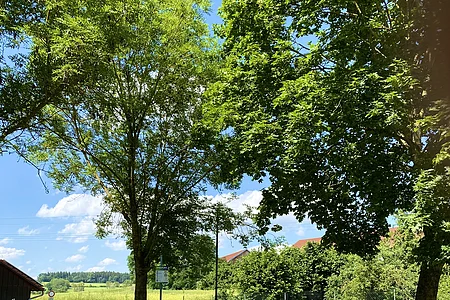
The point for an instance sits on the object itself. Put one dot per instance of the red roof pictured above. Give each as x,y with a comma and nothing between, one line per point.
36,286
302,243
235,255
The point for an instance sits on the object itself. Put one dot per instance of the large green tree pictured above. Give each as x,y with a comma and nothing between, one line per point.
343,105
132,76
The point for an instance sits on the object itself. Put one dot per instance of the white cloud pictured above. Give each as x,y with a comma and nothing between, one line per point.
301,231
96,269
107,262
116,246
4,241
74,269
73,206
10,253
28,262
84,249
101,265
75,258
78,232
239,203
27,231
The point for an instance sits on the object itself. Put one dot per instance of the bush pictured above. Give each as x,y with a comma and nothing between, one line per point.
58,285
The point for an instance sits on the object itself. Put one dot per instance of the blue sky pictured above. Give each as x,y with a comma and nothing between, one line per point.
53,231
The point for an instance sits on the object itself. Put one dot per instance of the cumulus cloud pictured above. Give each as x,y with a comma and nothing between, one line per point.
107,262
101,265
239,203
96,269
75,258
78,232
5,241
10,253
73,206
301,231
74,269
84,249
27,231
116,246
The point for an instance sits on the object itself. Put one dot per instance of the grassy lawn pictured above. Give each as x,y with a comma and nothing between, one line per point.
102,293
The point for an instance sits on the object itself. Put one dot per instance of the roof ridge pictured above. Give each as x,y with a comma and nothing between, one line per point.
18,272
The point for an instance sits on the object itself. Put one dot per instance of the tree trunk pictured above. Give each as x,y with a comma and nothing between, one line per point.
429,277
140,292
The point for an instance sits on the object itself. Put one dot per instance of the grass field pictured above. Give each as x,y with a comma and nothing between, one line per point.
102,293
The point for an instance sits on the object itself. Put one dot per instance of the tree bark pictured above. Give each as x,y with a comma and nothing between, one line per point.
430,274
140,291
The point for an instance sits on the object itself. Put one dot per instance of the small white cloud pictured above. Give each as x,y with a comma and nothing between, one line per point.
75,258
5,241
73,206
116,246
301,231
96,269
107,262
101,265
28,262
10,253
77,232
240,203
74,269
27,231
84,249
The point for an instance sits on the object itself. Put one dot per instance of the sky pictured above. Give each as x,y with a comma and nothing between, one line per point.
49,231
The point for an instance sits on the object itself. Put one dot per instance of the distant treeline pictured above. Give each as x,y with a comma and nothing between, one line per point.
88,277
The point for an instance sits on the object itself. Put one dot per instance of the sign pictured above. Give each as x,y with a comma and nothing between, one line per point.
50,295
162,276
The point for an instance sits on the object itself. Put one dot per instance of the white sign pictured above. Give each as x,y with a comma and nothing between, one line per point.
162,276
50,295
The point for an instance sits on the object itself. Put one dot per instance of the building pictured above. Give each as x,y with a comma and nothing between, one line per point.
15,284
235,256
303,243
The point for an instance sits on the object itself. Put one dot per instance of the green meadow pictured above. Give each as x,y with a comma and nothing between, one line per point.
102,293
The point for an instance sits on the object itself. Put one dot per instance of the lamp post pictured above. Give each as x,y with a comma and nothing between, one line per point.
217,253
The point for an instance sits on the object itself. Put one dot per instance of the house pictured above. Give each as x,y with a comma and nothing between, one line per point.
235,256
15,284
302,243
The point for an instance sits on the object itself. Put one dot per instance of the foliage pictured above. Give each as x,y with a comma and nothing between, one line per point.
22,95
321,120
133,76
273,272
78,287
390,272
87,277
58,285
344,106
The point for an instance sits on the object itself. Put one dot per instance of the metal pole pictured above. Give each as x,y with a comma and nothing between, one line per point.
160,284
217,254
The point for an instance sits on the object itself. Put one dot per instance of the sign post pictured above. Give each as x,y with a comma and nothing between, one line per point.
162,276
51,294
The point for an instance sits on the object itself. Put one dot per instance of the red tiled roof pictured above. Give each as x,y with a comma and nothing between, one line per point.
235,255
36,286
302,243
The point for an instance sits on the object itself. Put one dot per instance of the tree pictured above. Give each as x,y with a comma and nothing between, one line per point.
349,127
271,273
58,285
387,274
133,75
